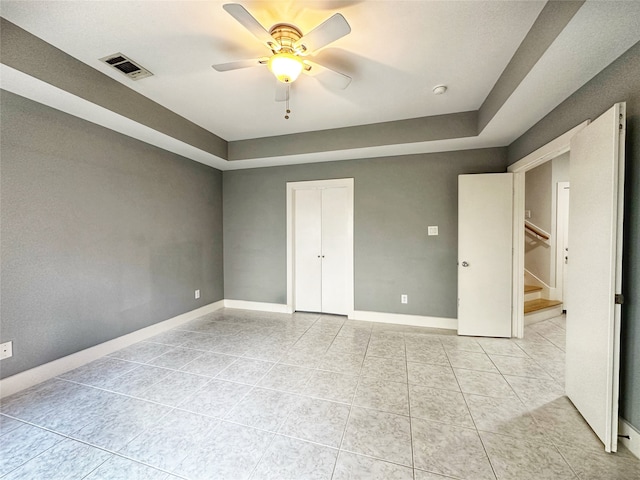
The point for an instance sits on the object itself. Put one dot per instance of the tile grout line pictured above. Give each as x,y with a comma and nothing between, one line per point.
346,425
413,457
275,434
78,440
475,426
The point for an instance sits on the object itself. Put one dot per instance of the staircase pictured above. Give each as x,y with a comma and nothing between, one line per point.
536,308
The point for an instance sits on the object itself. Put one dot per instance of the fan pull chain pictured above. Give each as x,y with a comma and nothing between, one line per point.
288,111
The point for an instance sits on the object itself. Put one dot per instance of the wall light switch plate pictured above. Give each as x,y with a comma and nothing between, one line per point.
432,230
6,350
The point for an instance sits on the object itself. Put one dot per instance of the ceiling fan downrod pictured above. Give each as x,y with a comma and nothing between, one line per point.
287,111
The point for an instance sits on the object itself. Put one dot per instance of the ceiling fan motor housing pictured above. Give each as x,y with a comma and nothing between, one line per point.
286,63
286,35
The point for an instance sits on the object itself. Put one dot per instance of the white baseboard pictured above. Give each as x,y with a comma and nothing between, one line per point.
28,378
402,319
259,306
633,442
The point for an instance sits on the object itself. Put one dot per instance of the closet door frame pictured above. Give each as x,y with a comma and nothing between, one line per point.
313,185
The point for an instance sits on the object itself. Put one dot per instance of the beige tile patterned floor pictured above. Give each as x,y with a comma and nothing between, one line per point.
246,395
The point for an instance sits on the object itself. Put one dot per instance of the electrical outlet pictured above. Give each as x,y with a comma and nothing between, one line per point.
197,294
432,230
6,350
404,298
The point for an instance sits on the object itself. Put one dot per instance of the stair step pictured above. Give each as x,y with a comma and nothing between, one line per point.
532,292
532,288
539,304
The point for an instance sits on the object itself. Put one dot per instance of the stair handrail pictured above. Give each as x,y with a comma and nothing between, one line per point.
537,231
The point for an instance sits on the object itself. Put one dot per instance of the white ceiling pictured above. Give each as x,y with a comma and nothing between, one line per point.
396,53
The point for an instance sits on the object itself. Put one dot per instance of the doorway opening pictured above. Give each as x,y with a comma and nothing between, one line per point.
553,150
546,236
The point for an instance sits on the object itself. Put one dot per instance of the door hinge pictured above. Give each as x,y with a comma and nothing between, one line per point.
619,299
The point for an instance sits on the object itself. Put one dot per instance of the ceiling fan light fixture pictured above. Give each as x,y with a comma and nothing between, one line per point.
285,66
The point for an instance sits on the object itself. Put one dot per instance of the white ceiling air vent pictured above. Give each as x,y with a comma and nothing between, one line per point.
126,66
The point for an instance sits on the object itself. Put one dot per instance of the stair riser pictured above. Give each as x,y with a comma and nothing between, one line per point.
532,295
540,315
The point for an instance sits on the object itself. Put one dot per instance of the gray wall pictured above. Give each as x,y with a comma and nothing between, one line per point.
101,234
617,83
396,198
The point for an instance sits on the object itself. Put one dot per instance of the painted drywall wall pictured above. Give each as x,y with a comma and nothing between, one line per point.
396,199
101,234
620,82
538,192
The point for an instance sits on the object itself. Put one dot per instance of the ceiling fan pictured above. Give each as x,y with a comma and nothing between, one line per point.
290,50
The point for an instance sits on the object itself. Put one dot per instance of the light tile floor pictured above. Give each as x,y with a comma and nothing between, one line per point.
246,395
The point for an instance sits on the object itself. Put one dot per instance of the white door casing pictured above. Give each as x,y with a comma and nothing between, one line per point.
335,242
595,276
485,224
545,153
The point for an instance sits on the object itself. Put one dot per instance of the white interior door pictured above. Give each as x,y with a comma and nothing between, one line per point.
485,224
595,229
335,244
308,250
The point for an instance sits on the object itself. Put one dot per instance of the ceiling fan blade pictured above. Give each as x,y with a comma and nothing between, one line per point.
255,62
326,76
282,91
328,31
247,20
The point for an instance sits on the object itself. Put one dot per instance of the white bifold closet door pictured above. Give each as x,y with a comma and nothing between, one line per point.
321,238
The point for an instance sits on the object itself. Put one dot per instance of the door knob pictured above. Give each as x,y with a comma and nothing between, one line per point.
465,264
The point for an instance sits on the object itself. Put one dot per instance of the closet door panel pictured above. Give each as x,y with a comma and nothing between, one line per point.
308,250
335,244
